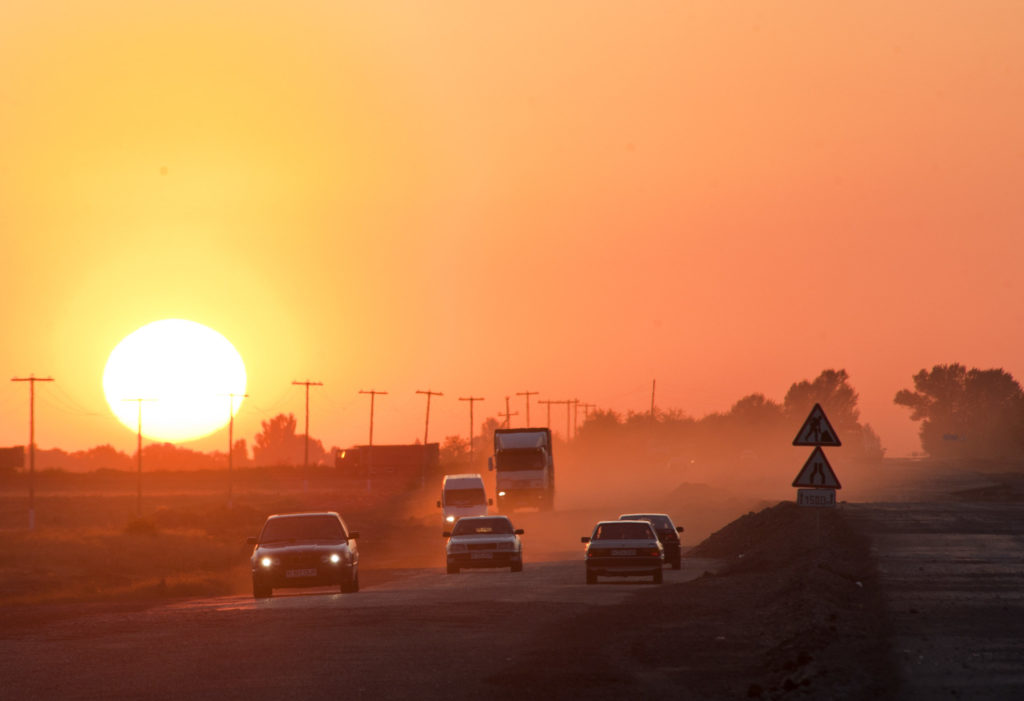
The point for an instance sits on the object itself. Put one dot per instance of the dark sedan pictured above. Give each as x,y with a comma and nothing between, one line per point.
668,534
304,550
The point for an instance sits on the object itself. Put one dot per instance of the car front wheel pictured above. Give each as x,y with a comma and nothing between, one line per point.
591,577
260,591
453,569
658,577
351,586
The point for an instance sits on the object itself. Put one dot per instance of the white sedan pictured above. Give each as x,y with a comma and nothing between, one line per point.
484,541
623,549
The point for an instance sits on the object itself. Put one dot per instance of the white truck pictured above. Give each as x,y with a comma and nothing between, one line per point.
524,467
462,495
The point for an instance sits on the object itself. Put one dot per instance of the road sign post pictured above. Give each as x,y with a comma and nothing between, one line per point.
817,479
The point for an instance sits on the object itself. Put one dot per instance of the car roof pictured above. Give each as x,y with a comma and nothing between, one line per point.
480,518
640,516
304,513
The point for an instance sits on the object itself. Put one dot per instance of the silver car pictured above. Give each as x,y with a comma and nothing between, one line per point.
623,549
304,550
483,541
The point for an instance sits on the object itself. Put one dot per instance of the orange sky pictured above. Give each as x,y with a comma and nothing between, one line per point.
487,198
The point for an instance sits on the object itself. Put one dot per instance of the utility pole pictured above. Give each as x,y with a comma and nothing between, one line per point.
653,383
231,445
575,422
471,401
369,457
508,415
305,457
32,380
527,395
426,430
568,413
138,502
549,402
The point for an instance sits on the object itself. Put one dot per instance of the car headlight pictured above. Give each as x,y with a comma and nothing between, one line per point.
506,546
333,558
267,561
501,494
457,548
449,519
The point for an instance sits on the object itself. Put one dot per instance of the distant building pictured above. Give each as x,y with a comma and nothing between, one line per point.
390,467
12,457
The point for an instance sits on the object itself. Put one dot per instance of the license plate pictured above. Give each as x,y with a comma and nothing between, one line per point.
301,573
481,556
623,553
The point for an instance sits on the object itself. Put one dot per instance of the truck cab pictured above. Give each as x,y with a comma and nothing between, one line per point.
524,467
462,495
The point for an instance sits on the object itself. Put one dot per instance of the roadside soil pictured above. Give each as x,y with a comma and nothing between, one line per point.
793,611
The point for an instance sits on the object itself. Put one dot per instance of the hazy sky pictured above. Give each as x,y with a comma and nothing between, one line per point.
487,198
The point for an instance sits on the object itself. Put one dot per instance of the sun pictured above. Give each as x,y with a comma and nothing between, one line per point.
184,373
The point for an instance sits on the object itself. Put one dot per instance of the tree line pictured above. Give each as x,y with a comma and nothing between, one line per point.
963,413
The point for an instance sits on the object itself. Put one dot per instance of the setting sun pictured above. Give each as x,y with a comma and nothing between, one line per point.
182,373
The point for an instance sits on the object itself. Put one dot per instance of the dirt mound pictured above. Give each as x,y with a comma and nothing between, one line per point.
793,612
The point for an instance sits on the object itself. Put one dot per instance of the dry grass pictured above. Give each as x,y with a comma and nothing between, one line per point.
90,545
141,560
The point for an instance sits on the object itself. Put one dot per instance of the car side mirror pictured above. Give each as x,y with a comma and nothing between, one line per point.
439,504
519,531
490,502
353,535
585,539
252,540
446,534
679,529
490,464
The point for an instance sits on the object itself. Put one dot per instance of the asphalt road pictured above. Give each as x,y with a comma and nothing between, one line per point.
952,574
418,633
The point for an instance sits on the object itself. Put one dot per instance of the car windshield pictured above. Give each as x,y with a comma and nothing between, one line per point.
314,527
659,521
464,497
623,530
482,526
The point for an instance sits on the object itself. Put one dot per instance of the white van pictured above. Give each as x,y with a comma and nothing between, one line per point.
463,495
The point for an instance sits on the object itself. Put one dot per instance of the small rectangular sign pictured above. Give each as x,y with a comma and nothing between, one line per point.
816,497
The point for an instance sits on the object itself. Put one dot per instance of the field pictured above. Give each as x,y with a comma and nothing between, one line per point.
90,544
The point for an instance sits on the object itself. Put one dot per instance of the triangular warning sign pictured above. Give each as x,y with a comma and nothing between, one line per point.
817,473
817,430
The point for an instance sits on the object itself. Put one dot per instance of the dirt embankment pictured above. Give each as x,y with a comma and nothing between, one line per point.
794,611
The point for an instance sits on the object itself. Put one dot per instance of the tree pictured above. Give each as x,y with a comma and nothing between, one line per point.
966,413
838,399
278,444
832,390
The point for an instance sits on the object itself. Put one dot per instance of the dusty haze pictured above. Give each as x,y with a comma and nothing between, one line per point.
483,200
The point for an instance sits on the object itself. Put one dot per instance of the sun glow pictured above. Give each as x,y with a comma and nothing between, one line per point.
184,373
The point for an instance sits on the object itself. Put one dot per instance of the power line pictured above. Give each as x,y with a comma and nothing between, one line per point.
305,457
369,451
426,430
429,393
549,402
32,380
231,444
472,401
508,415
138,501
527,394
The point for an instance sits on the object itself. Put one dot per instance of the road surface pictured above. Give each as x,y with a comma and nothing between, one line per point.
419,633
